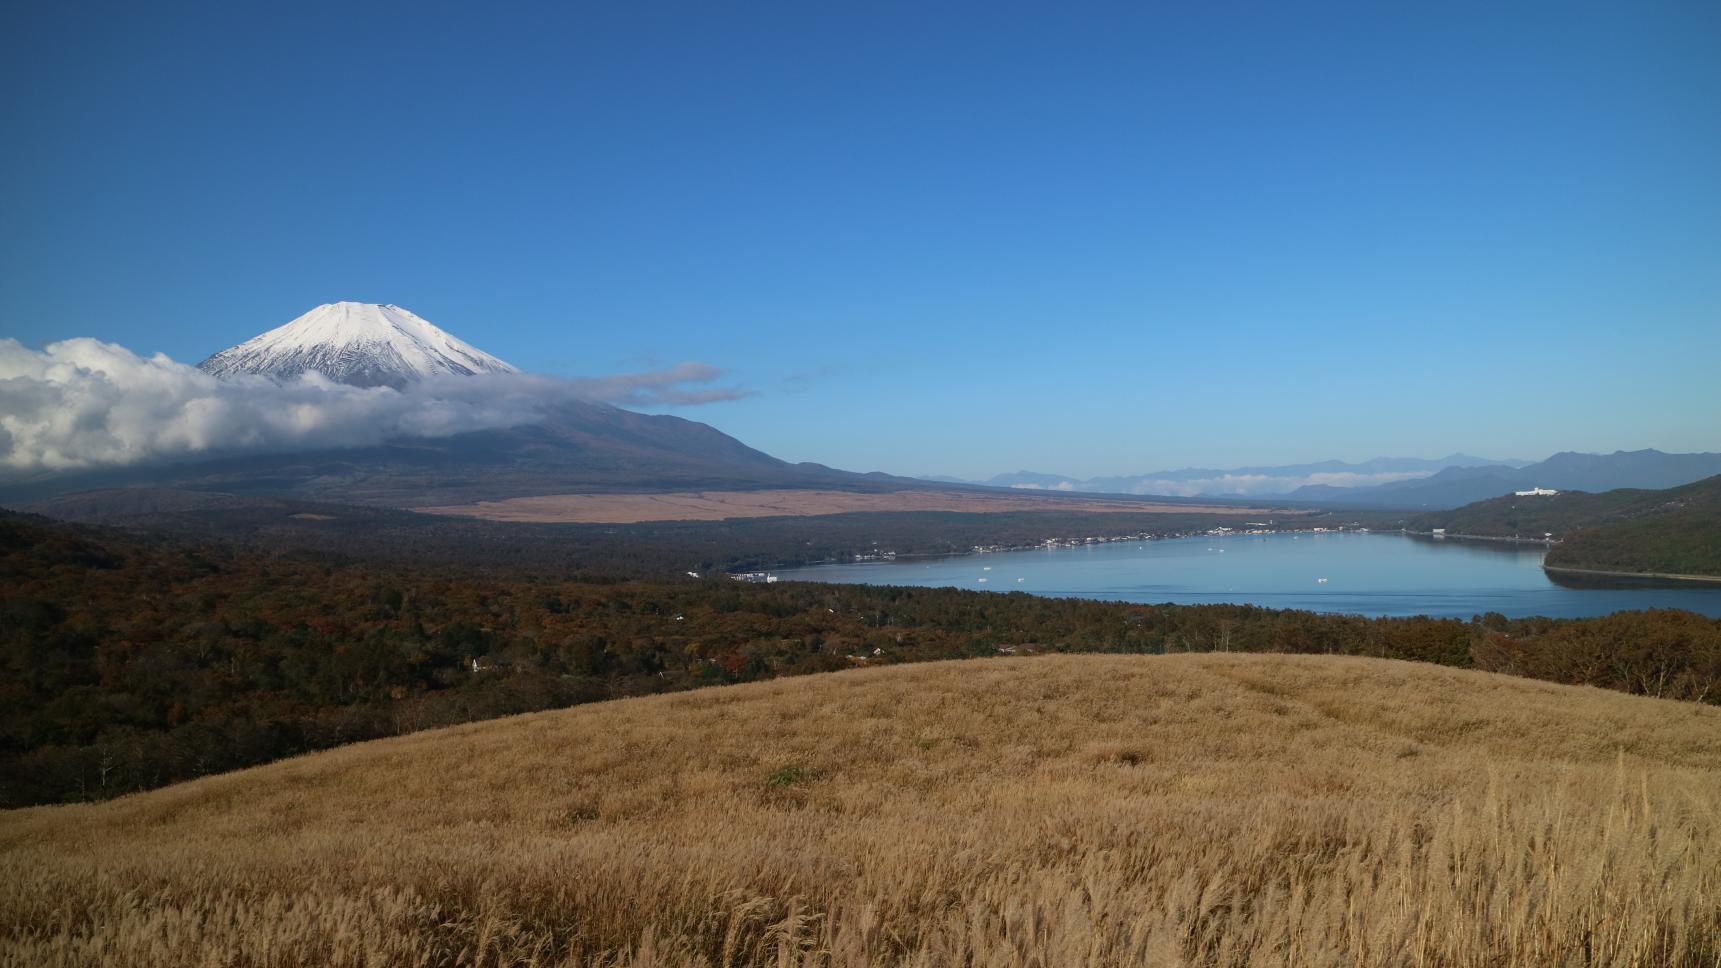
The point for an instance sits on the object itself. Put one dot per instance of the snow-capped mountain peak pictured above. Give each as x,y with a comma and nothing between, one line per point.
364,344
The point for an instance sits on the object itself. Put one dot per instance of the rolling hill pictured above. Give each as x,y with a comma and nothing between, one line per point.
1676,531
1061,810
1680,536
132,660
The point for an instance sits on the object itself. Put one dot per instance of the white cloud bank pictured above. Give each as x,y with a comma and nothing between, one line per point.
659,387
82,403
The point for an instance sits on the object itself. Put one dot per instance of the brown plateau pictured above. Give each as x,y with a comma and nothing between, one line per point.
717,505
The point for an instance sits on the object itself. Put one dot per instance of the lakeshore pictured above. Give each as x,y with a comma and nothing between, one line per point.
1642,575
1365,573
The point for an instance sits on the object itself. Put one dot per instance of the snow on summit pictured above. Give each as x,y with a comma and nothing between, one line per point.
363,344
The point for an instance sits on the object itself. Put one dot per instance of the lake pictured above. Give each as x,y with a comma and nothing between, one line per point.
1366,574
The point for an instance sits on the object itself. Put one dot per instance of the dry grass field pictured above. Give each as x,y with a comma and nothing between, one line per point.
721,505
1050,811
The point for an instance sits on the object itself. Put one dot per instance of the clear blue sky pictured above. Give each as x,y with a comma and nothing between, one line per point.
930,237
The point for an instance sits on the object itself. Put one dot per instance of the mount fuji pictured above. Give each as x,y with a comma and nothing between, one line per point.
363,344
577,446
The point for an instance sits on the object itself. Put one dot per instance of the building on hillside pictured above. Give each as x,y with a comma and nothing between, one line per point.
1536,492
756,577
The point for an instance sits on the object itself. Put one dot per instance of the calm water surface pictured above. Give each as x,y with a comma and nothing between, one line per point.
1369,574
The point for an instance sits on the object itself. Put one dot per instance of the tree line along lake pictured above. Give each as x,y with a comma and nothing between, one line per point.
1374,574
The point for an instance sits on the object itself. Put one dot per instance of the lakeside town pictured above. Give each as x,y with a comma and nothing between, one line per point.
1250,528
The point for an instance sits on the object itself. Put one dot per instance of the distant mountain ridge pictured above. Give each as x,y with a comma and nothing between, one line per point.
1394,482
582,446
1259,481
1567,471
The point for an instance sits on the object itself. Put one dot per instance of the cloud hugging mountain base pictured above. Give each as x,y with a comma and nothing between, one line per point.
341,375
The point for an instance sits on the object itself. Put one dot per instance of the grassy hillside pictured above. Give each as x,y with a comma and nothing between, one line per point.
1058,810
1675,531
1569,511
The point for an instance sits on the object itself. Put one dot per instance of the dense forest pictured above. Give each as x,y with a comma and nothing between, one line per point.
1673,531
645,550
134,660
1682,538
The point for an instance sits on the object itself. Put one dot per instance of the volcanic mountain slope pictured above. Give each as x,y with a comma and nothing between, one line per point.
1059,810
364,344
579,447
